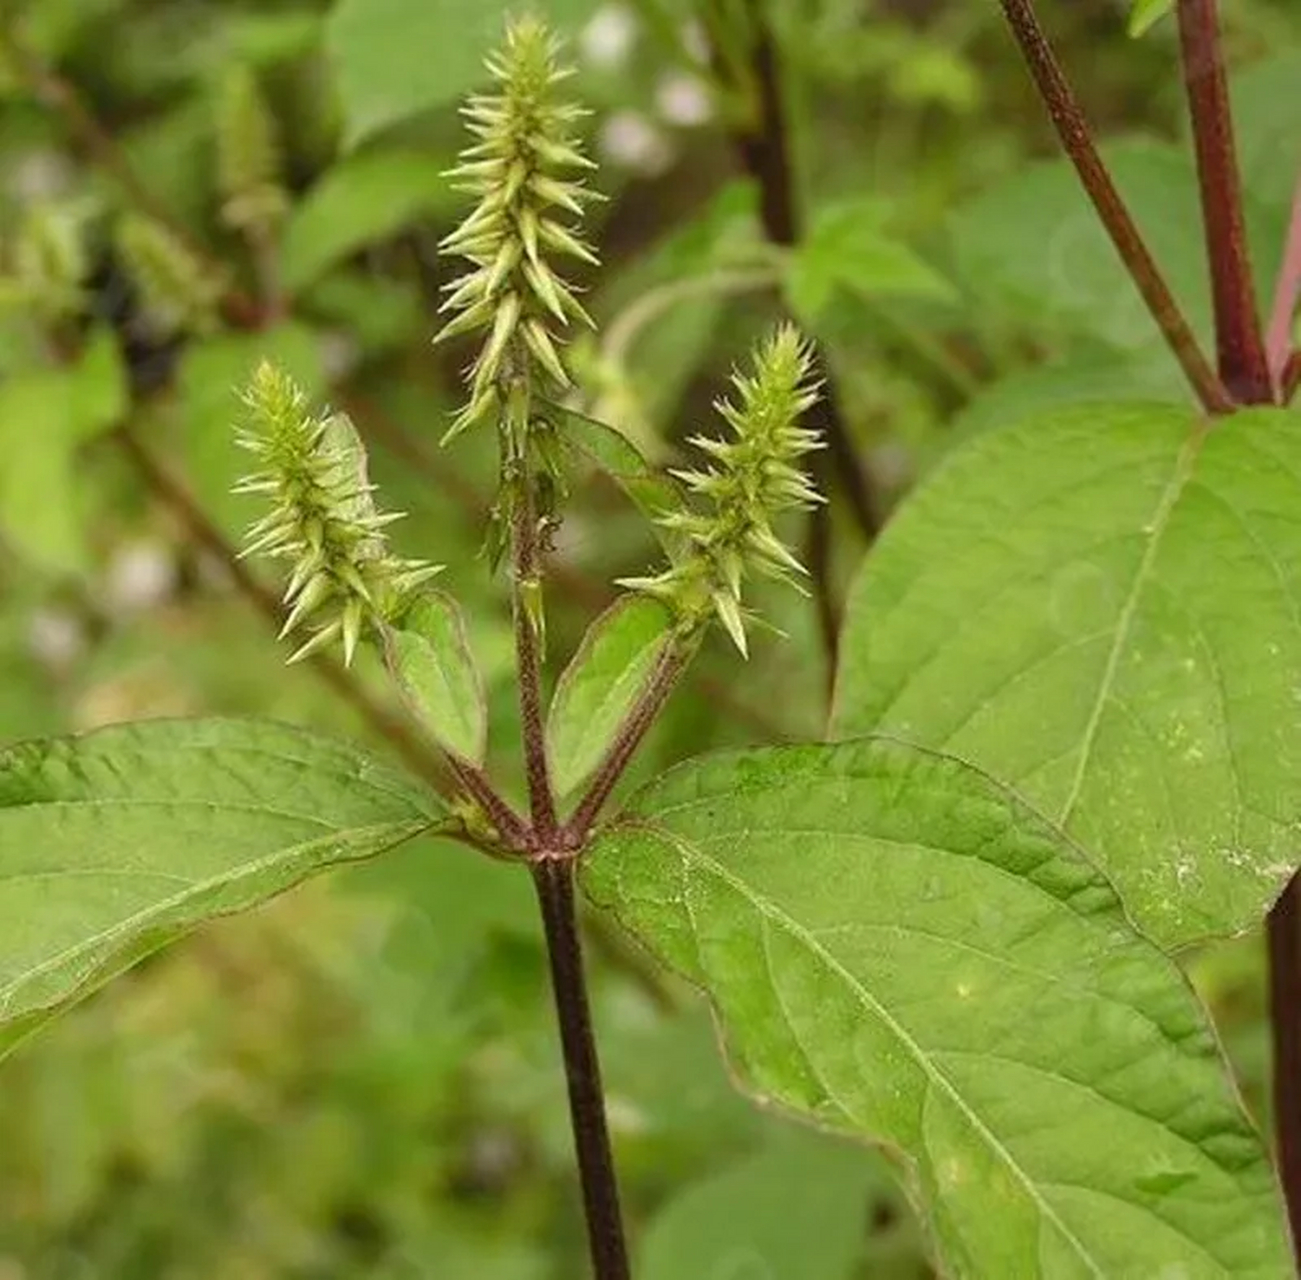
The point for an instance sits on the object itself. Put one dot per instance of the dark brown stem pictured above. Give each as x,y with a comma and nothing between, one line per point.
667,671
764,148
1287,295
1284,928
386,722
1292,377
528,656
553,879
1077,140
1244,366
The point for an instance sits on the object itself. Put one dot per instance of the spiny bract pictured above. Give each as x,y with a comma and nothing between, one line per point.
513,294
754,476
323,518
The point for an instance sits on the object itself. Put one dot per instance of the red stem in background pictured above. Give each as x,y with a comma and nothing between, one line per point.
1077,139
1287,296
1244,366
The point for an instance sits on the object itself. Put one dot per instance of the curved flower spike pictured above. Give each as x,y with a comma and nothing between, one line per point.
752,477
323,519
513,294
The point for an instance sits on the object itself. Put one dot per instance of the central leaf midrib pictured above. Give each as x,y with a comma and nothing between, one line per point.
772,912
1155,528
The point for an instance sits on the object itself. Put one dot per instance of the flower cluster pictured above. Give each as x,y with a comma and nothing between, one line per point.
323,519
754,476
524,144
248,153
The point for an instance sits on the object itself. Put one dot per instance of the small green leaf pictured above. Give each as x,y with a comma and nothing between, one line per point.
652,492
429,657
99,387
600,685
1145,14
395,59
114,843
848,248
1099,607
899,949
364,198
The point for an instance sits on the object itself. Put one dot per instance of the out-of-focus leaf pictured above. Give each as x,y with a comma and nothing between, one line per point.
364,198
1145,14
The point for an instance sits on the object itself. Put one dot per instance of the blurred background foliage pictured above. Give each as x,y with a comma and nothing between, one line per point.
363,1079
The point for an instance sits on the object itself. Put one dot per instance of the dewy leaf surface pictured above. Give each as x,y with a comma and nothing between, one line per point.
112,843
898,948
1101,608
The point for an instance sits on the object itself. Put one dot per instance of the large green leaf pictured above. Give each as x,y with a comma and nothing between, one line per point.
397,58
598,688
900,949
1101,608
113,843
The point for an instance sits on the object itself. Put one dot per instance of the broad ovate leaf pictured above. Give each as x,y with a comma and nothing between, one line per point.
611,668
1100,607
899,949
115,842
430,659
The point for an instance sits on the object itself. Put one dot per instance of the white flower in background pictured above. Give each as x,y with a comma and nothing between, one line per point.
631,140
56,637
683,100
140,575
607,40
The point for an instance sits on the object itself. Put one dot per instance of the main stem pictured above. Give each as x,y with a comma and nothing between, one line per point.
1244,365
553,879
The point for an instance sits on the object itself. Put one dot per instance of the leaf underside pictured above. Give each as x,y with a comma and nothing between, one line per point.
113,843
1102,609
899,949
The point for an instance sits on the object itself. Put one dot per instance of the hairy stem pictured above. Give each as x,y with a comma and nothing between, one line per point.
665,675
1244,366
1284,929
1077,140
553,879
1287,296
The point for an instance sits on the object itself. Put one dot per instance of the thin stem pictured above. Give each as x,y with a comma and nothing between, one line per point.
1077,140
1244,366
665,675
1287,295
1284,929
553,879
526,588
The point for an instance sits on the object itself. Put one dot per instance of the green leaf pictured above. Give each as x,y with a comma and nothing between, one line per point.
430,659
899,949
651,492
365,198
1099,607
1145,14
601,683
211,378
848,248
98,386
395,59
1267,113
114,843
794,1209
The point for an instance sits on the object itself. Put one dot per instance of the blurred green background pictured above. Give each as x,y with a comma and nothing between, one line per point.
363,1080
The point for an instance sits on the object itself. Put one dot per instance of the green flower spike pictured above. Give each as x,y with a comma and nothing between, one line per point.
323,519
755,476
525,143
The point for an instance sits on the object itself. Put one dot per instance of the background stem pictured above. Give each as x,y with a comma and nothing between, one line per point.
1077,140
553,879
1244,367
1284,929
1287,295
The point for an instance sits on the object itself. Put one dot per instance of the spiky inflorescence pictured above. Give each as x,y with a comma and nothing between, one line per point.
248,152
323,518
180,294
754,476
513,294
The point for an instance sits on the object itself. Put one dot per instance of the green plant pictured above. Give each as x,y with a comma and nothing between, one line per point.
952,937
